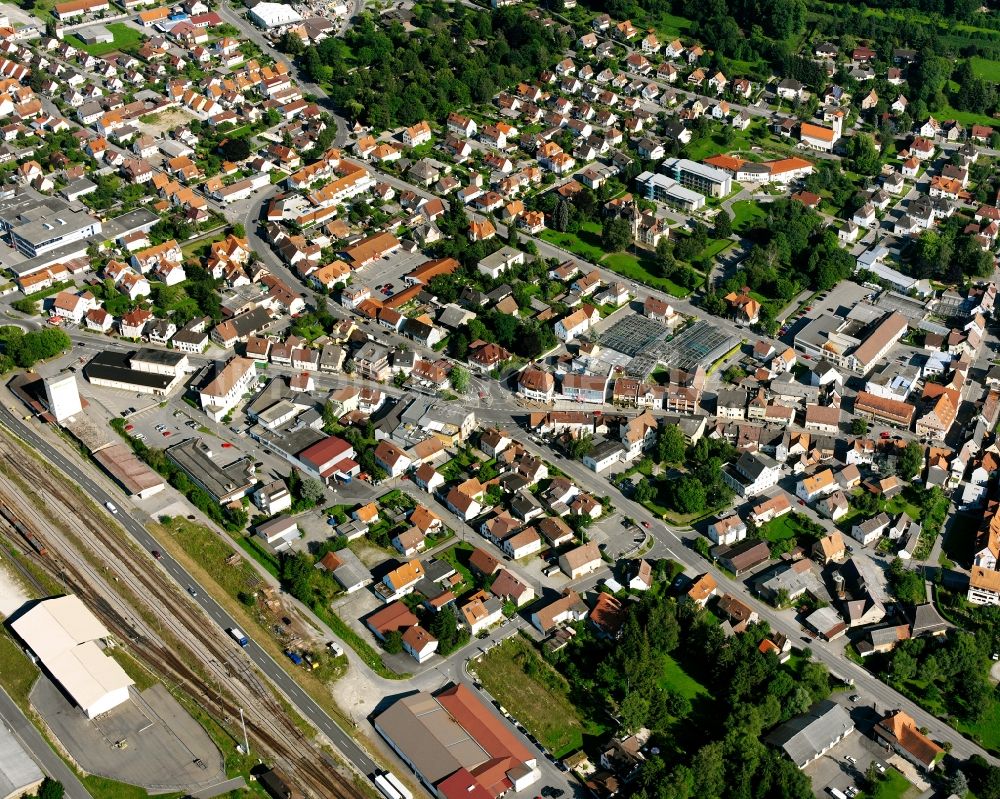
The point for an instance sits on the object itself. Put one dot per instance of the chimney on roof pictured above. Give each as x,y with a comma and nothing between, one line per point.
838,585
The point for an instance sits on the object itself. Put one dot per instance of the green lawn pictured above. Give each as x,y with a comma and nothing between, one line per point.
586,243
670,26
535,694
458,557
965,117
127,39
715,247
987,731
779,529
986,68
676,679
628,265
746,212
892,785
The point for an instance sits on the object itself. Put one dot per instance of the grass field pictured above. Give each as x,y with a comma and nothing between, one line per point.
628,265
586,243
676,679
715,248
745,213
670,25
986,68
779,529
127,39
892,785
987,731
535,694
719,143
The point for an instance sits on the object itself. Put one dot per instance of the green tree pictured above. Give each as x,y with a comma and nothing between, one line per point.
459,379
311,490
393,643
863,154
291,43
958,785
644,491
665,257
733,374
50,789
560,219
859,426
235,150
633,711
670,446
911,460
580,447
688,494
723,228
296,575
616,234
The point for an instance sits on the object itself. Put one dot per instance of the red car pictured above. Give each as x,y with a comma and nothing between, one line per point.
166,433
129,427
884,434
226,444
647,525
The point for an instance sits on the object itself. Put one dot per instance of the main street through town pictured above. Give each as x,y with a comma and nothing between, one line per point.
499,407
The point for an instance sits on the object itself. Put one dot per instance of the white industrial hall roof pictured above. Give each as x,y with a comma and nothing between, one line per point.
63,633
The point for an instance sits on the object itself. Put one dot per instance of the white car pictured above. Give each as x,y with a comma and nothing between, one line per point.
851,760
111,507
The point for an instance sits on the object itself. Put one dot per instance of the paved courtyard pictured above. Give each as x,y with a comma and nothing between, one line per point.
163,748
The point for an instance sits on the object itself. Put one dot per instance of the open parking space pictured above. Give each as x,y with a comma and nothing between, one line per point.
389,270
148,741
844,766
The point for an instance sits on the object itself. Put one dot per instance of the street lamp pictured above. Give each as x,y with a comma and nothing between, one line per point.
246,742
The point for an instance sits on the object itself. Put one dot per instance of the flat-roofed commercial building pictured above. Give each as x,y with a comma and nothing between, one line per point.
160,362
667,190
38,224
63,634
700,177
453,737
116,370
224,483
856,343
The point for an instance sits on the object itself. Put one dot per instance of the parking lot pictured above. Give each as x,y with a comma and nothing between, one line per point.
389,270
844,767
837,301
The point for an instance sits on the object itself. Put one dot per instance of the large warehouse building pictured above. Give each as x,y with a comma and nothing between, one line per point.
63,635
457,745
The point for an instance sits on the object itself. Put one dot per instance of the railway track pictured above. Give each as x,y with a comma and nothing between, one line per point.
173,638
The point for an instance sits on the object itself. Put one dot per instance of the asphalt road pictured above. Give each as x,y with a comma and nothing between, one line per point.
31,739
305,705
671,542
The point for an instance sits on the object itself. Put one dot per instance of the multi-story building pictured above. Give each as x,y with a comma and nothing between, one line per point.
702,178
372,361
223,392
